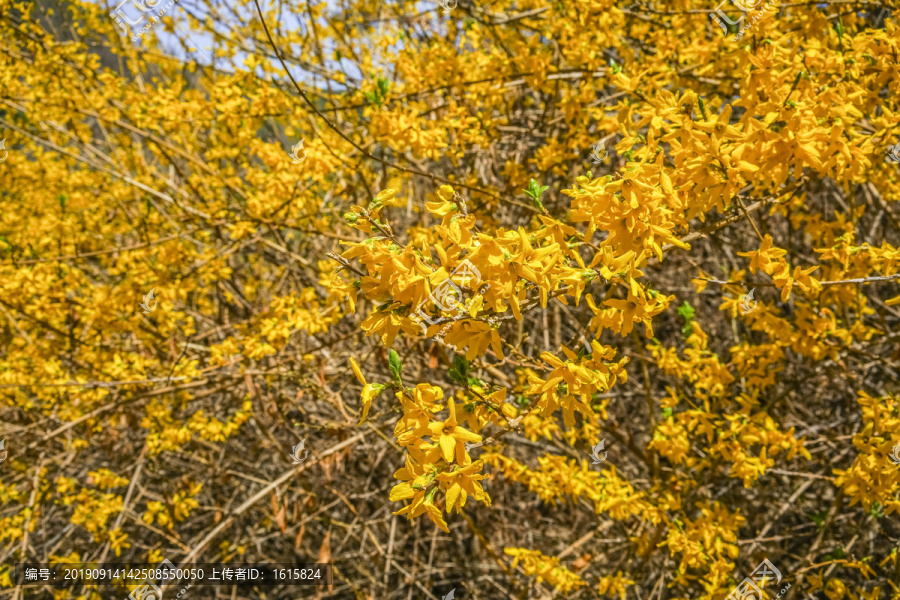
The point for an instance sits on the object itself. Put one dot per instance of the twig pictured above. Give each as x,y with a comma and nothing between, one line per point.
360,149
198,547
27,527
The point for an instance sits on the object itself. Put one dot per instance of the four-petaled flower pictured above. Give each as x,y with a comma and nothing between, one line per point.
450,437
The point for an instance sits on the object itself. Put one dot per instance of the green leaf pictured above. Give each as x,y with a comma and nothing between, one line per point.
686,312
535,191
461,363
818,518
582,352
459,372
395,365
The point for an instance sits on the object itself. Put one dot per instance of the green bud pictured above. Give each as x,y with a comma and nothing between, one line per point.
395,365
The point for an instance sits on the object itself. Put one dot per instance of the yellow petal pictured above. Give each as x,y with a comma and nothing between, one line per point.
357,371
448,445
465,435
453,495
402,491
369,393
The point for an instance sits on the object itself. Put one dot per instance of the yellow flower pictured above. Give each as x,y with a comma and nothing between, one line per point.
444,205
463,482
451,437
720,129
424,504
370,391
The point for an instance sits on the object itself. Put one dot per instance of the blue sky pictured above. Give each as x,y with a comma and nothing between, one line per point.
200,43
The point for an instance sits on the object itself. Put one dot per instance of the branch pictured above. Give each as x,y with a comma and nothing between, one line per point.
198,547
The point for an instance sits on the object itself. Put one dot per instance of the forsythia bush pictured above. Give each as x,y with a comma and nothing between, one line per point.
589,288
